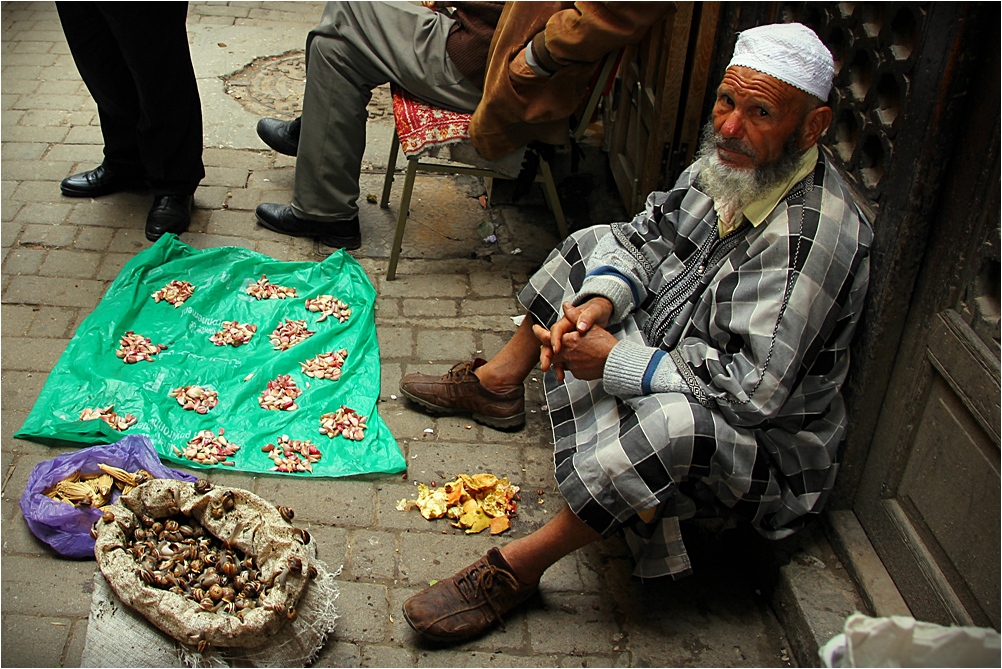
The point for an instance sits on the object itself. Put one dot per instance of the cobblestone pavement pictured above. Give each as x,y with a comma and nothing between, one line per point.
454,298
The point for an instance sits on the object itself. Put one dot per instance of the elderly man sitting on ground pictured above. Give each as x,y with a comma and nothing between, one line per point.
693,356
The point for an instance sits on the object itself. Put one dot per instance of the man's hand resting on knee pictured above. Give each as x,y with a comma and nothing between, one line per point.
578,342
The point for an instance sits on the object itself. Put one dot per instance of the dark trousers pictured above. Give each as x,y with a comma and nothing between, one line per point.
134,58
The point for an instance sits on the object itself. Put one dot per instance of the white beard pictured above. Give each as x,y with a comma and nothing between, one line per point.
734,188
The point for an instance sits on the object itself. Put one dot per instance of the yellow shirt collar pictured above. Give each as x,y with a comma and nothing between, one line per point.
757,211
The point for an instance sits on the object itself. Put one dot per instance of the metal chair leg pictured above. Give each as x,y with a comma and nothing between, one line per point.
550,190
405,203
391,164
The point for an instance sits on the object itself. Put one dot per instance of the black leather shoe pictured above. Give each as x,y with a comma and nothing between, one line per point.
283,136
281,218
169,213
97,182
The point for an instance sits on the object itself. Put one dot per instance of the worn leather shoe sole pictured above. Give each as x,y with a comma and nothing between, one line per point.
460,391
97,182
469,603
282,136
280,218
169,213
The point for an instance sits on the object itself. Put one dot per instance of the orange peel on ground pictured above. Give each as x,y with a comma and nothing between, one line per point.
472,503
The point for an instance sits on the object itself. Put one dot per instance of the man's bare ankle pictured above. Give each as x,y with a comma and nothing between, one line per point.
494,383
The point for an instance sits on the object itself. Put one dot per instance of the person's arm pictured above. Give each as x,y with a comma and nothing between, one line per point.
589,30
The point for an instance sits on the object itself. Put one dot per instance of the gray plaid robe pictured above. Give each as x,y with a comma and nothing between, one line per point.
756,327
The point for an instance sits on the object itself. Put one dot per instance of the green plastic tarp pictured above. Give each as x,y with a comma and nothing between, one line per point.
89,374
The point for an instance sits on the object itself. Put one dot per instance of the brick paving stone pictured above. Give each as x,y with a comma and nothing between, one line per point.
26,133
247,198
237,223
15,319
386,656
24,261
92,154
55,291
271,181
490,284
233,158
73,654
63,87
129,240
28,59
47,213
35,354
428,308
29,170
36,191
338,654
77,264
339,503
456,459
24,151
423,560
47,637
230,177
573,624
372,555
210,197
17,538
424,286
48,235
363,610
445,345
205,241
386,308
53,322
109,214
395,342
490,307
112,264
331,542
93,238
389,376
277,250
41,586
84,134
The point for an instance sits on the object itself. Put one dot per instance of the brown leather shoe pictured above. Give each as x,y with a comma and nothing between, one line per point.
469,603
459,391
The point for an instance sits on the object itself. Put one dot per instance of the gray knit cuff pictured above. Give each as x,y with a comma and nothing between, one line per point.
611,288
624,369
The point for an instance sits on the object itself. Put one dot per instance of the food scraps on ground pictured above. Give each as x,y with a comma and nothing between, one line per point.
292,455
175,292
107,414
288,334
195,398
325,365
234,334
207,448
262,289
328,305
95,488
280,394
346,422
472,503
135,347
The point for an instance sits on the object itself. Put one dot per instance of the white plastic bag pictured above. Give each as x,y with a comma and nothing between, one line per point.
900,641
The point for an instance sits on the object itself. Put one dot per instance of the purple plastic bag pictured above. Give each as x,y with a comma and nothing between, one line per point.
64,527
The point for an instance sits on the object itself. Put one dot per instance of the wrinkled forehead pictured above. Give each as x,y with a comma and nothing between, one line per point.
744,82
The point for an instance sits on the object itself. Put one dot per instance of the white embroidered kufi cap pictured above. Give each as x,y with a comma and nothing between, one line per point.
790,52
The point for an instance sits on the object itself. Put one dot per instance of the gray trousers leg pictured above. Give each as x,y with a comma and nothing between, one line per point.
357,46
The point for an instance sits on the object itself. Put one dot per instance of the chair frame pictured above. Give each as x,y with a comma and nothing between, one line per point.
544,177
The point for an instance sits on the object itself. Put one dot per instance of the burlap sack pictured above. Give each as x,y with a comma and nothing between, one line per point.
253,526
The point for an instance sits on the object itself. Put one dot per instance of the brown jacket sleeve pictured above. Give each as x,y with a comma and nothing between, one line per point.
518,105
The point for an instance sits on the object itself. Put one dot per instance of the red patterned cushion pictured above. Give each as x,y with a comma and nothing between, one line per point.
423,127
